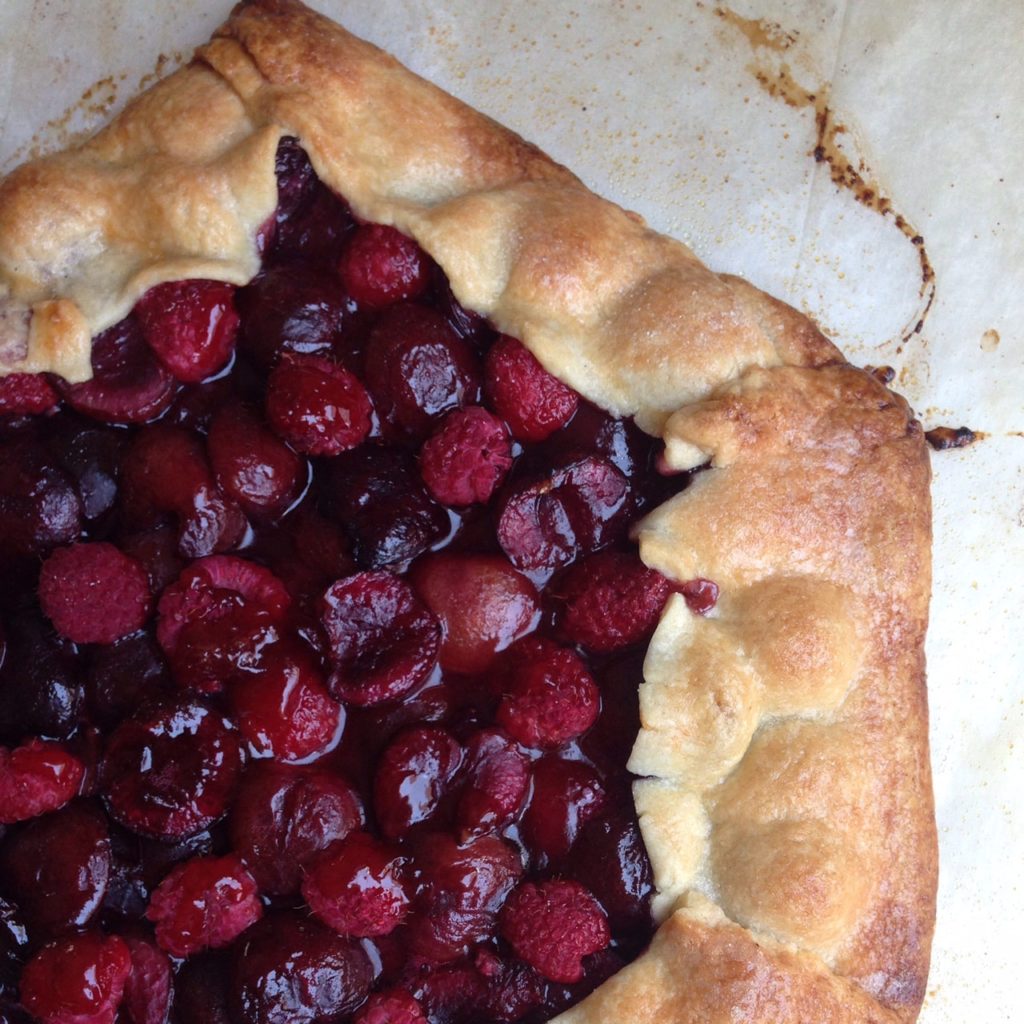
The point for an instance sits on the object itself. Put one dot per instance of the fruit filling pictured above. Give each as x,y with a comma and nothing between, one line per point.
321,629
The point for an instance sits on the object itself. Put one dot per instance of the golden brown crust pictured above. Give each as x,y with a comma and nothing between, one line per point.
783,746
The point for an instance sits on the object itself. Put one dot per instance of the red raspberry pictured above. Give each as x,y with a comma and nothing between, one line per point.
466,458
252,464
553,925
418,368
550,698
77,980
283,817
317,406
211,587
128,384
150,987
380,265
611,600
700,595
529,399
204,903
284,711
356,887
26,394
498,778
192,326
94,594
392,1006
483,604
36,778
383,641
412,777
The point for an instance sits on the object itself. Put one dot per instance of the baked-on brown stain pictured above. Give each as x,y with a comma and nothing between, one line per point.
777,80
941,438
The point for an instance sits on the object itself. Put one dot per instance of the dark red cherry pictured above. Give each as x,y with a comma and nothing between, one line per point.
413,776
251,464
201,989
376,494
57,868
128,384
171,772
39,504
462,888
13,946
284,311
611,860
383,641
291,969
315,232
283,817
296,178
547,523
123,676
418,368
566,795
93,459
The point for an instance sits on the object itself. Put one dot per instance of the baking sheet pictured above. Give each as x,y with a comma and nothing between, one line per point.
706,119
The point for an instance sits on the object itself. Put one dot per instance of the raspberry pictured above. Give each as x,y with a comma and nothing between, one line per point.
413,775
356,887
252,465
94,594
150,987
317,406
78,980
569,512
170,773
566,795
380,266
462,888
128,384
498,777
529,399
284,816
192,326
483,605
36,778
466,458
553,925
210,587
611,600
418,368
204,903
700,595
283,711
26,394
383,641
392,1006
550,698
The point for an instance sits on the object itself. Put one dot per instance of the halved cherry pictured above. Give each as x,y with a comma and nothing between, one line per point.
418,368
283,817
170,772
483,603
128,384
566,795
574,510
497,781
383,640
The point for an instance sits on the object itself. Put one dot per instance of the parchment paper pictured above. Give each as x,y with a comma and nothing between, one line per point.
667,106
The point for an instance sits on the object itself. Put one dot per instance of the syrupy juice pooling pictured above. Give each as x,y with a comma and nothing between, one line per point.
349,635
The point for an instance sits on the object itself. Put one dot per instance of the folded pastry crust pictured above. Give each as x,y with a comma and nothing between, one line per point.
785,791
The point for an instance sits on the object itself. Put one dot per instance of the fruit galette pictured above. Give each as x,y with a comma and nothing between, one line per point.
430,595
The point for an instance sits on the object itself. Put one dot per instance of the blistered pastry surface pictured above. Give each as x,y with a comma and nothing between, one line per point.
783,746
